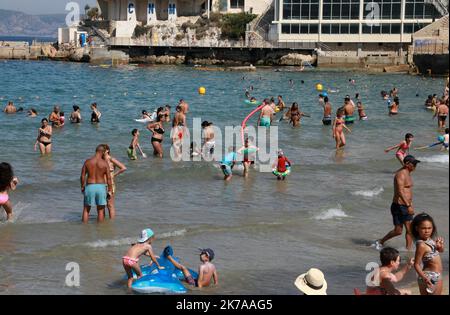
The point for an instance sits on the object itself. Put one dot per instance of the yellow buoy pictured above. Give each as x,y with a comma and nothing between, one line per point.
319,87
202,90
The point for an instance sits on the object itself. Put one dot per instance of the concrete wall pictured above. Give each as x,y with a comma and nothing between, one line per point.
438,64
258,6
123,28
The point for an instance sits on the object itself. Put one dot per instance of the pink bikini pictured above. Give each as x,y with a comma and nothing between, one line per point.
3,198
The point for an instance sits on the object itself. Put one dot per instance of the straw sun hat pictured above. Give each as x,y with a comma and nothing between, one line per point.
312,283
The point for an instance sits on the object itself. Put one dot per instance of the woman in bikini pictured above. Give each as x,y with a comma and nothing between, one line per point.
75,116
402,147
427,260
112,164
158,134
44,138
296,115
338,129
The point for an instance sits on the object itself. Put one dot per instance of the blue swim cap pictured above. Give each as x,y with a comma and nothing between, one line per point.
324,94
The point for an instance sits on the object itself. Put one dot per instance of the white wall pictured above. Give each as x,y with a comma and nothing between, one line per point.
124,28
259,6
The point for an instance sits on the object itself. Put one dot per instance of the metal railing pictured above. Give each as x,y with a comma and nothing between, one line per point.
430,47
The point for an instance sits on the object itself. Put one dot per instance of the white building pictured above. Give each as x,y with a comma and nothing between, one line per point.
148,11
352,21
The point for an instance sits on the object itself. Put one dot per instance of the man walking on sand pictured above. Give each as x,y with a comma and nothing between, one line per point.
402,207
94,187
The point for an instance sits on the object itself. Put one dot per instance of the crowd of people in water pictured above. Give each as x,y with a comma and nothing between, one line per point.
98,174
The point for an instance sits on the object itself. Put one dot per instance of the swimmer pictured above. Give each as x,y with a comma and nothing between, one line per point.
184,106
96,184
429,102
209,140
146,115
445,143
7,182
296,115
10,108
291,83
75,116
144,247
349,110
361,111
32,113
266,115
249,152
178,130
135,144
281,105
427,261
283,166
157,136
393,109
441,113
338,129
327,109
113,163
62,119
384,95
55,116
44,138
402,148
95,116
206,271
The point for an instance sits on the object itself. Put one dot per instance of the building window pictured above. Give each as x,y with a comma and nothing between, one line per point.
411,28
301,9
341,9
351,28
385,28
300,29
237,4
418,9
388,9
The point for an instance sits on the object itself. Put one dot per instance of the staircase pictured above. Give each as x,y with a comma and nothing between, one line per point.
260,27
440,5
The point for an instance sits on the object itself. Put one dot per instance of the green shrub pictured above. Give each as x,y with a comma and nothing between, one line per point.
234,25
141,31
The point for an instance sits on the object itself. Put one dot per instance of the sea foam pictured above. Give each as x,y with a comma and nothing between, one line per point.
368,193
331,214
441,158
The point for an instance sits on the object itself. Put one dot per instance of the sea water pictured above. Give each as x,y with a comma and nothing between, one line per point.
264,232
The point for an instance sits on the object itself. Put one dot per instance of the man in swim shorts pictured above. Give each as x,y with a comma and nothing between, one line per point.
349,110
266,116
402,207
93,174
326,120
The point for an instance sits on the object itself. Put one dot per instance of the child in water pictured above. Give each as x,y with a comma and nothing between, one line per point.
427,262
402,147
206,271
283,168
131,259
7,182
62,119
135,144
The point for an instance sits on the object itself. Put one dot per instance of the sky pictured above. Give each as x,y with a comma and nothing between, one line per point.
42,6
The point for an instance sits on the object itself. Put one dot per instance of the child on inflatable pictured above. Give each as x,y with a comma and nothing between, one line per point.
131,259
283,168
7,182
134,144
206,271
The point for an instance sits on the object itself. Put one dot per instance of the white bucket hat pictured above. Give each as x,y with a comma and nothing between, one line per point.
312,283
